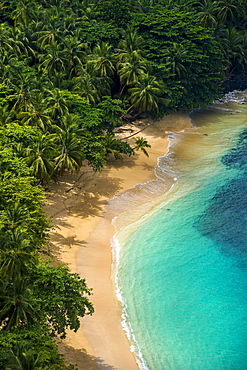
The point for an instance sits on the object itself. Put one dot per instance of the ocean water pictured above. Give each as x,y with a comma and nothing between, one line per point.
181,269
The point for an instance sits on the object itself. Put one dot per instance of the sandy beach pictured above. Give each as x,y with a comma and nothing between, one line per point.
82,236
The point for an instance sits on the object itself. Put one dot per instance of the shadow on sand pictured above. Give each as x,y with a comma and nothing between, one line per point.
81,359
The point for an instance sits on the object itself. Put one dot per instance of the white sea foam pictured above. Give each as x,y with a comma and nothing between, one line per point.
124,202
134,347
233,96
147,191
220,108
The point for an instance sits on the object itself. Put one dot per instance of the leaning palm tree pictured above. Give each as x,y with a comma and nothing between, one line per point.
141,144
147,94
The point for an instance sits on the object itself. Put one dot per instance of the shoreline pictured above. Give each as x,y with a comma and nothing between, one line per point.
79,204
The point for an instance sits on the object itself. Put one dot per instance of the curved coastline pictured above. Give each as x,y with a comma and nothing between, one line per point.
82,207
128,220
124,233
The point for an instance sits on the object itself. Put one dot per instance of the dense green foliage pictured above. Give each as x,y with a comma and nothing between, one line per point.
71,71
183,54
36,299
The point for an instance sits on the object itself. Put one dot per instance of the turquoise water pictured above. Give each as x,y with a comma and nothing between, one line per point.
183,270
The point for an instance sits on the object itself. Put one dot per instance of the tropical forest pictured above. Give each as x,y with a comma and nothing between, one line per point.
71,71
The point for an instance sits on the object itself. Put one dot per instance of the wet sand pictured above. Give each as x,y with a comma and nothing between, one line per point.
81,240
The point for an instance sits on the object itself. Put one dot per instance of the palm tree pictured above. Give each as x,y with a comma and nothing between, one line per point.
6,115
17,258
130,46
227,10
89,86
38,114
39,157
14,216
17,253
35,118
175,57
5,45
47,37
57,105
85,88
207,13
23,85
101,60
54,60
130,71
24,13
57,81
68,138
111,146
17,306
75,52
145,6
23,357
146,95
235,51
21,99
7,71
141,144
22,42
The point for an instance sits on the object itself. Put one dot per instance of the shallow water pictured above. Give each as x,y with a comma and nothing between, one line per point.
182,268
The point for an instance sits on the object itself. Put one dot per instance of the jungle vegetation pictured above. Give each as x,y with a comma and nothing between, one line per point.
71,71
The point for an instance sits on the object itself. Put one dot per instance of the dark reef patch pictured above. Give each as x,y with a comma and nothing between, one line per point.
225,219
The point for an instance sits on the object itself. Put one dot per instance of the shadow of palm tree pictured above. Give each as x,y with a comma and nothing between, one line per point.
76,199
122,163
147,167
81,359
71,241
